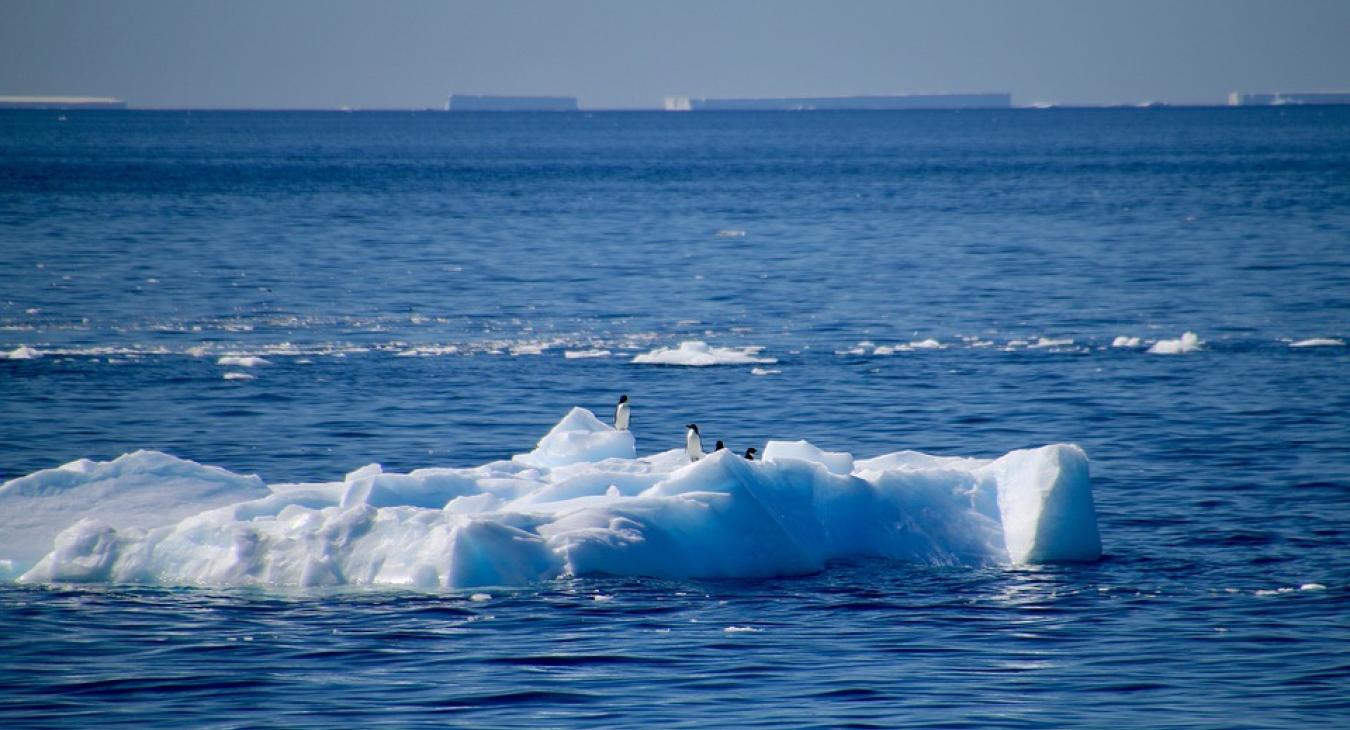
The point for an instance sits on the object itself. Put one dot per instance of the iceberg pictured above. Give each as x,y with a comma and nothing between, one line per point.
242,361
701,354
1188,342
582,502
22,352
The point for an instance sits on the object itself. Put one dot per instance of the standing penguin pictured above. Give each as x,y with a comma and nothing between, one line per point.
693,445
719,446
750,453
621,414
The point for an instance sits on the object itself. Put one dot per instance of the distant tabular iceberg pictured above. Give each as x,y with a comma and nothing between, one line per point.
61,102
998,100
1283,98
480,103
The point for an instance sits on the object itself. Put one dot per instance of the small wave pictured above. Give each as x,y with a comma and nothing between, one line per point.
730,233
238,376
765,371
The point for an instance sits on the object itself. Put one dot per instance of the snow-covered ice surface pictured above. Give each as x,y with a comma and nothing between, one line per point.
701,354
581,503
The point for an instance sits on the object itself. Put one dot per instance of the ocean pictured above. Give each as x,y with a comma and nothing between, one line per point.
437,290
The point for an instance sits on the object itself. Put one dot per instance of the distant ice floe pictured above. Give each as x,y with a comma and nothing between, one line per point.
248,361
1126,341
928,344
1319,342
1188,342
585,354
581,503
701,354
22,352
428,351
764,371
238,376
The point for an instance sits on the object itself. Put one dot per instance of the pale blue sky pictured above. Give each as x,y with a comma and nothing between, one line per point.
611,53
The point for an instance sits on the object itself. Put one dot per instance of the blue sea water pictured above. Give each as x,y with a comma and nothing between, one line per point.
416,279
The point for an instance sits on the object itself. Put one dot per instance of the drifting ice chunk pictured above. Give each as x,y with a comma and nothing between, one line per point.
1319,342
580,436
250,361
1125,341
701,354
22,352
579,504
1189,342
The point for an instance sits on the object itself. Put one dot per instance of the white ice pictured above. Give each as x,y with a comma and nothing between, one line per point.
1319,342
1126,341
22,352
245,361
581,503
585,354
1188,342
701,354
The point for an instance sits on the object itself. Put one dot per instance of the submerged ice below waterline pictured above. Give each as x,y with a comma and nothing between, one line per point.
580,503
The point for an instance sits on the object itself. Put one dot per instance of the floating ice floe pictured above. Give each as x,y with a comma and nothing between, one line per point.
581,503
238,376
765,371
1319,342
22,352
701,354
1126,341
1188,342
928,344
242,361
585,354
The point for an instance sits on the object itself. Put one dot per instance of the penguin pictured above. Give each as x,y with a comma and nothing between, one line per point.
750,453
621,414
693,445
719,445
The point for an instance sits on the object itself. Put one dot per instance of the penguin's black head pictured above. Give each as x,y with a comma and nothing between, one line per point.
719,446
623,399
692,426
750,453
